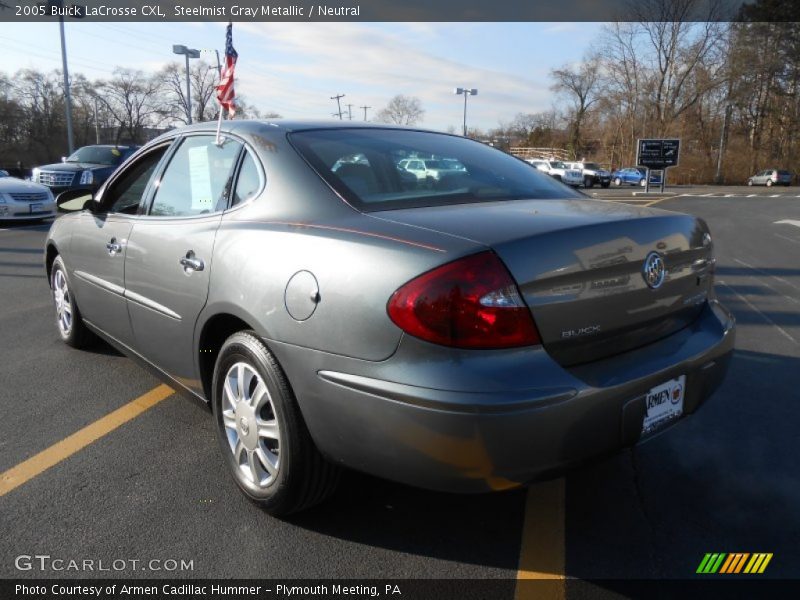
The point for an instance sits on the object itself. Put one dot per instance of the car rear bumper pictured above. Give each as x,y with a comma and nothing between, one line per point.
474,422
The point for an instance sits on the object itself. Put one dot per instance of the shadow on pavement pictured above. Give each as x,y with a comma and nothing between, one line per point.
718,481
476,529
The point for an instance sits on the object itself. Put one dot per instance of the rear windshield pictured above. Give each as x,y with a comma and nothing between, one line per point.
387,176
784,173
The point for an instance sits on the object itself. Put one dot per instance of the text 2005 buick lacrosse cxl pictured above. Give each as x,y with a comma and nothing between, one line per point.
468,332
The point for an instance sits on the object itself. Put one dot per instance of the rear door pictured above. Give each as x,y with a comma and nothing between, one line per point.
99,245
169,254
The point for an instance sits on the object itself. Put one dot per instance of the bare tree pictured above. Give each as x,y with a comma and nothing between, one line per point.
621,91
41,97
134,100
203,78
580,84
401,110
675,46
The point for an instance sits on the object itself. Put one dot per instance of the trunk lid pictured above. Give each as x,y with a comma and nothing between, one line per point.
580,265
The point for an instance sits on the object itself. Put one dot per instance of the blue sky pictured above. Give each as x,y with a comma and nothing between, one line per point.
294,68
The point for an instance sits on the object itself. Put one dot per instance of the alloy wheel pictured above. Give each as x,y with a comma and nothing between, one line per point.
63,301
251,426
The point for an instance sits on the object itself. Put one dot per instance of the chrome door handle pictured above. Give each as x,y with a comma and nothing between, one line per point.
190,263
113,247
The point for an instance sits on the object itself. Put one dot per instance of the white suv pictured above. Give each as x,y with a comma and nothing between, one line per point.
558,170
593,174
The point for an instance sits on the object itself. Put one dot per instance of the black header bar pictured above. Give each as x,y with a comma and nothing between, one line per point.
382,10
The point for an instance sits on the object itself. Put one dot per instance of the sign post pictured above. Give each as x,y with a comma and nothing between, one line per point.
658,154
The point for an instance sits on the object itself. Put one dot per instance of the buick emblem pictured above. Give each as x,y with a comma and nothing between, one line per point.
654,270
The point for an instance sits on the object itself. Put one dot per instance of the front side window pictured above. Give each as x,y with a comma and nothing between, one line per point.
482,173
197,179
125,194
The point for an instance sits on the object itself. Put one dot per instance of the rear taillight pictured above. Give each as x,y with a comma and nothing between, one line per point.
472,302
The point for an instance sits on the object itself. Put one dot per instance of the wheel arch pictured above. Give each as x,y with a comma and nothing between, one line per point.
212,334
49,257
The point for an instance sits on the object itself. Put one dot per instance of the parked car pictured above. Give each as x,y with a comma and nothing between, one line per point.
634,176
86,168
428,168
25,201
558,170
770,177
466,340
593,174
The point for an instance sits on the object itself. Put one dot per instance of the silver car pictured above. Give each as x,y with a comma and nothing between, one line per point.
24,200
770,177
473,335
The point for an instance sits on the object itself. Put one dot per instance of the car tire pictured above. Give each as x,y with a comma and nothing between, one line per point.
618,182
769,182
750,182
276,463
69,322
642,182
605,184
588,182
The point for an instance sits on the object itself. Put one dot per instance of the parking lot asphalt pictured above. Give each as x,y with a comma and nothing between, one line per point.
156,486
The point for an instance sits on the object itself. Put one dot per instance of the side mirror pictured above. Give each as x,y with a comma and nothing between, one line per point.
92,206
75,200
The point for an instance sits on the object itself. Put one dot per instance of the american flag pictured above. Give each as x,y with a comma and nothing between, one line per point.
225,93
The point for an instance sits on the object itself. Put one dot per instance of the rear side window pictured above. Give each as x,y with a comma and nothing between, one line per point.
458,171
248,184
197,179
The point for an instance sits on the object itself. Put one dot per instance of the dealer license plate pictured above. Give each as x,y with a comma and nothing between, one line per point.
664,403
36,208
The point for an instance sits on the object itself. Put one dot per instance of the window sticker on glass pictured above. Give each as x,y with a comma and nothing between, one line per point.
200,179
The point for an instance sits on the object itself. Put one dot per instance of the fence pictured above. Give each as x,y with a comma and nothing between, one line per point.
545,153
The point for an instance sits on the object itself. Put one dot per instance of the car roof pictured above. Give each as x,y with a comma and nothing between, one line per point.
254,126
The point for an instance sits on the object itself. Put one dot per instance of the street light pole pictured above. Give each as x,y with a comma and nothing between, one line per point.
219,64
67,96
466,92
188,91
188,53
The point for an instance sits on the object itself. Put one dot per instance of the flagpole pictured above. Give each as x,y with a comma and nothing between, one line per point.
219,125
226,95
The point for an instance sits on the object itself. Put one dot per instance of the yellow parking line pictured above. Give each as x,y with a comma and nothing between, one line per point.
657,201
542,552
35,465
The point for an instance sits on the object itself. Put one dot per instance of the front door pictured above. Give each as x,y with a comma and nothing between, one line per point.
169,255
99,245
97,254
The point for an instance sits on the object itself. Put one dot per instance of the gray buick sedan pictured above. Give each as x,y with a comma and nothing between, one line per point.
468,333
